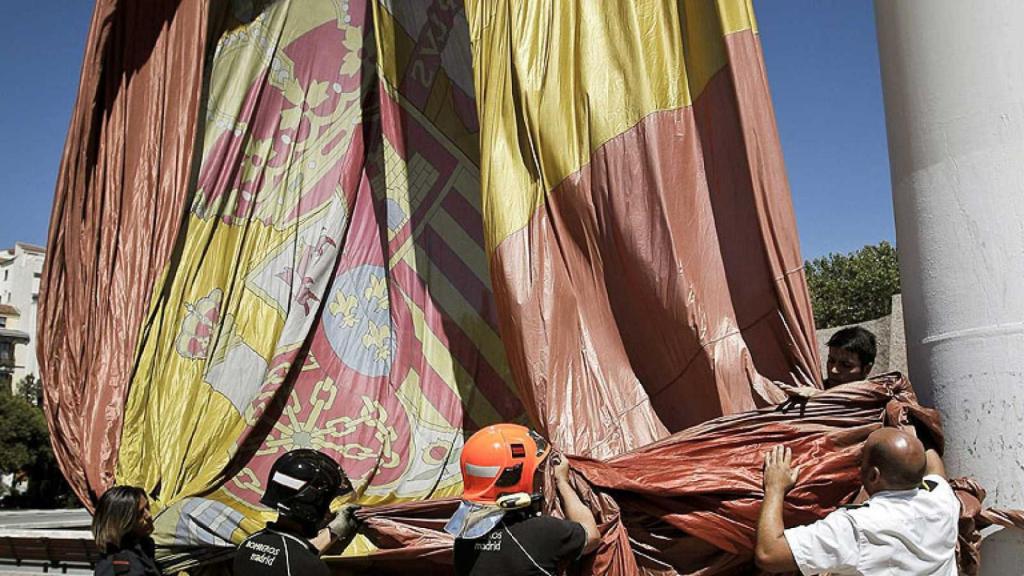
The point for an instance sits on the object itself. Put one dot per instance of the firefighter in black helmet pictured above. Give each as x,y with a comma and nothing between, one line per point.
301,486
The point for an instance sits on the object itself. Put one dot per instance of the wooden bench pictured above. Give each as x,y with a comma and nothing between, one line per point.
58,549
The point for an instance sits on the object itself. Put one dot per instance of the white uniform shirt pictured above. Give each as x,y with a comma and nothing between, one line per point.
897,533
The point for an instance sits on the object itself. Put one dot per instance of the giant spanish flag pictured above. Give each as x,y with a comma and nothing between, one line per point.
641,237
370,227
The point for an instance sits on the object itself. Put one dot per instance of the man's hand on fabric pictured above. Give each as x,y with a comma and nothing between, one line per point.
799,393
560,467
779,476
340,531
345,524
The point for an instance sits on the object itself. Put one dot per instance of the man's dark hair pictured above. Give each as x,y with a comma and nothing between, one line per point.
857,340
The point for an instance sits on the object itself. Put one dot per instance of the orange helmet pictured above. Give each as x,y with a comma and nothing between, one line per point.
500,459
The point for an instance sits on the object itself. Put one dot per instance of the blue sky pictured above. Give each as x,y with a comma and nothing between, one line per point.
822,62
41,47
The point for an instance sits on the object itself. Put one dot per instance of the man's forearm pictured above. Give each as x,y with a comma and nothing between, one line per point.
769,523
772,552
324,540
578,512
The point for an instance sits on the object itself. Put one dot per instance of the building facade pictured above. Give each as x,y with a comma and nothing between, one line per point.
11,338
21,269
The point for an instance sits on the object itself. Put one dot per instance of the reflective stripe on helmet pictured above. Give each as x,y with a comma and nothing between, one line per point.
288,481
482,471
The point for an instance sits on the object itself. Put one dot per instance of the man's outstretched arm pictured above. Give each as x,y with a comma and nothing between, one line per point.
772,552
341,531
574,508
934,463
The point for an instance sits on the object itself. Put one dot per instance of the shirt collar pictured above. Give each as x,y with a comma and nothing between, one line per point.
889,494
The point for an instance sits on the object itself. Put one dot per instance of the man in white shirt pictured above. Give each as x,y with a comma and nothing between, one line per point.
908,526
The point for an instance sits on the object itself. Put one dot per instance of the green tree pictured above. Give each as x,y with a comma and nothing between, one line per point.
25,451
31,389
855,287
22,433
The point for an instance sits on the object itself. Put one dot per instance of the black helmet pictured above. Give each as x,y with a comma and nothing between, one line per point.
302,484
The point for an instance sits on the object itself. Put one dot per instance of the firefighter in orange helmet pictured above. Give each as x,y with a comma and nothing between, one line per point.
499,529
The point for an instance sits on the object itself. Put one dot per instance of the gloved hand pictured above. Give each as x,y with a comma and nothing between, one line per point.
345,524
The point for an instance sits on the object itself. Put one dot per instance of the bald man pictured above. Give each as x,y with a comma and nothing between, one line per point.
907,527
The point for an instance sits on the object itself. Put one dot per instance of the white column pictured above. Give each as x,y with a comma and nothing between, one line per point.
953,79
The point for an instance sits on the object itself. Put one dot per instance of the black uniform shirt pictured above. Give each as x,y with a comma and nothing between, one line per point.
273,553
521,546
136,560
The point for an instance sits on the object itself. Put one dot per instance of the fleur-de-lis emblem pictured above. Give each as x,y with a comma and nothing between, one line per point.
345,306
377,292
378,338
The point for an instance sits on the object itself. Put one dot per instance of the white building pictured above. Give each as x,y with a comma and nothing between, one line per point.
10,340
20,270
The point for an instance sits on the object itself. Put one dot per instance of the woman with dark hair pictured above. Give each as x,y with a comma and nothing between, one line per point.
121,526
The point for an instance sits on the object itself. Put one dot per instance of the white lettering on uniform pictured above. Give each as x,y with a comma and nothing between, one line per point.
493,544
262,553
263,558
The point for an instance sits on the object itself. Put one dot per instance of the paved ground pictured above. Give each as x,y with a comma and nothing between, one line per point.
41,519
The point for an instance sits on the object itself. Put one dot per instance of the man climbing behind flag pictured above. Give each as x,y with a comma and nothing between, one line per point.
499,529
851,356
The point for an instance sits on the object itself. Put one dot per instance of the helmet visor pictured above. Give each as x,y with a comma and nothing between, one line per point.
472,521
